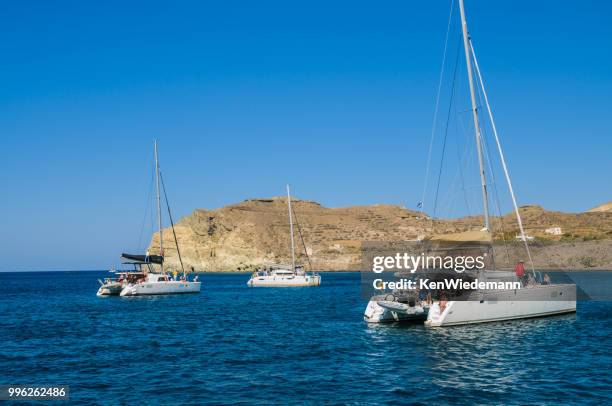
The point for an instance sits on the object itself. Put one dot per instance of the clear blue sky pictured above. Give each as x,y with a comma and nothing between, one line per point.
333,97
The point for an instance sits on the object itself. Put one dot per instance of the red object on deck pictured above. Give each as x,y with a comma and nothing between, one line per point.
519,269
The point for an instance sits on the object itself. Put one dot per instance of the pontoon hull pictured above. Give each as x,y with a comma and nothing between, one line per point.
537,301
377,312
276,281
110,289
160,288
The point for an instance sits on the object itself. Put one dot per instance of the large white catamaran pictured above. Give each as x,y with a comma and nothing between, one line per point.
283,275
150,276
534,300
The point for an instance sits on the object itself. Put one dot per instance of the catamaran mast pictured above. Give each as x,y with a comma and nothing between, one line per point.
159,221
291,230
468,61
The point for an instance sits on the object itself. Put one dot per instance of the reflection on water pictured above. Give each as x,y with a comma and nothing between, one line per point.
235,344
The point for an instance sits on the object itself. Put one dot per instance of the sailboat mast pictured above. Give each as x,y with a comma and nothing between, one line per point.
468,61
159,221
291,230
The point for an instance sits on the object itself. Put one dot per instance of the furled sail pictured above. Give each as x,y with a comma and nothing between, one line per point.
146,259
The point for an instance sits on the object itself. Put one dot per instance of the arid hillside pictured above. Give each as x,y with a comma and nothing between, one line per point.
606,207
246,235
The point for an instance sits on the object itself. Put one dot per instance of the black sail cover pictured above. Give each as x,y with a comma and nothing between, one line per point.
147,259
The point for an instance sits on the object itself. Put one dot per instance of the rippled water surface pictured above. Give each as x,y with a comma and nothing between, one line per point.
235,344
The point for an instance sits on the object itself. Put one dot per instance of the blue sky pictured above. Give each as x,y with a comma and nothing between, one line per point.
336,98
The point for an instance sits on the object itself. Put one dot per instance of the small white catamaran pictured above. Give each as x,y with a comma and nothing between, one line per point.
278,275
147,279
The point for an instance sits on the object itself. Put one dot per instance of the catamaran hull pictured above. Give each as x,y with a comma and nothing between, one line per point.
538,301
378,312
110,290
284,282
161,288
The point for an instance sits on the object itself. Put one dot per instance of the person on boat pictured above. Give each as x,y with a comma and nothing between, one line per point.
422,296
519,270
531,281
442,303
546,279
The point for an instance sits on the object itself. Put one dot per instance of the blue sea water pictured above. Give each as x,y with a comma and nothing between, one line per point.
235,344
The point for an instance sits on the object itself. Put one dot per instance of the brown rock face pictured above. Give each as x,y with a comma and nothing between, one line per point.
243,236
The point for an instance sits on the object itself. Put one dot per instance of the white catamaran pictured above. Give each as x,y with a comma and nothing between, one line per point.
534,300
149,276
278,275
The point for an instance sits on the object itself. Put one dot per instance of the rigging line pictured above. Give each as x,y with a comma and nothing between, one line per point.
503,160
171,223
452,195
450,106
436,109
489,164
464,160
447,199
297,223
487,155
496,200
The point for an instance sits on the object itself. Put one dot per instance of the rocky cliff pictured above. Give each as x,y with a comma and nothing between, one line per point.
243,236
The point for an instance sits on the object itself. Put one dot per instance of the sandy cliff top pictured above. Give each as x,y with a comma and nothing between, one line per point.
606,207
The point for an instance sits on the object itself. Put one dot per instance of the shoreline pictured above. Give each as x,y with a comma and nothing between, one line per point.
596,269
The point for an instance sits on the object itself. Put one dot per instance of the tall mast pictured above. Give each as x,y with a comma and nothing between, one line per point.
291,230
159,221
468,61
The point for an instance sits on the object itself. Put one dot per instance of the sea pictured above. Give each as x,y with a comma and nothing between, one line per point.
234,344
